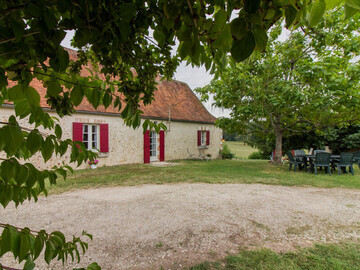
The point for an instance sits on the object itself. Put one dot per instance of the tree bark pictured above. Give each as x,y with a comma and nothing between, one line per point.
278,142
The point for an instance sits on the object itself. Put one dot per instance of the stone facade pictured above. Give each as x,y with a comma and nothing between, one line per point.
126,145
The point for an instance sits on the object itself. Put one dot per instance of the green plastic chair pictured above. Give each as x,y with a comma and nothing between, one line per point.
294,161
322,159
357,158
301,152
346,160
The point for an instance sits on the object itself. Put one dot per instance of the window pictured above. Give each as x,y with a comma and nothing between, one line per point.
91,137
203,138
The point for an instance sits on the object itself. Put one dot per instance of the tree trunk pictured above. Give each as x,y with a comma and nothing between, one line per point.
278,143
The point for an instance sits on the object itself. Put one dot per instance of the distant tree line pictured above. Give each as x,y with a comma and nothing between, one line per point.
339,139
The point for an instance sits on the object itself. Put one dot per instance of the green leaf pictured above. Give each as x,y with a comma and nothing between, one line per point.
33,142
238,28
353,3
24,244
2,139
195,52
63,60
16,93
47,149
159,36
29,264
58,131
252,6
350,11
107,99
3,79
38,246
8,170
242,49
56,240
261,38
95,98
22,175
13,138
50,252
117,103
77,95
5,241
127,11
22,108
316,13
63,148
33,96
93,266
136,120
18,29
330,4
224,40
221,17
15,242
54,88
290,15
185,48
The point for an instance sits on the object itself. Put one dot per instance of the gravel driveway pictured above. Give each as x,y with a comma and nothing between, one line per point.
177,225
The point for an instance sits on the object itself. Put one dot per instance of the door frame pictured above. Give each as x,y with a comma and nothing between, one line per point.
152,144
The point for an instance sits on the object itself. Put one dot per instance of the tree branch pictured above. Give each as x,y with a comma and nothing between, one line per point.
7,11
3,225
7,268
192,13
70,82
24,128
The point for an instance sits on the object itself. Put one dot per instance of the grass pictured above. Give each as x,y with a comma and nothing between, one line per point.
216,171
336,256
241,150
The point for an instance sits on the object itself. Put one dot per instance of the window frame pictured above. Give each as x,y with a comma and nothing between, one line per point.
203,138
90,134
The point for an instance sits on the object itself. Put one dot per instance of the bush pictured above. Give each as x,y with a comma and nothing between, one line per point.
225,153
256,155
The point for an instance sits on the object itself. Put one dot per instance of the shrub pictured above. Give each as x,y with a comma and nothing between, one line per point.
225,152
256,155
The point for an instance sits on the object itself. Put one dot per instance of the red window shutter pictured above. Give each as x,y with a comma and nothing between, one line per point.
147,147
104,138
162,145
207,137
199,138
77,132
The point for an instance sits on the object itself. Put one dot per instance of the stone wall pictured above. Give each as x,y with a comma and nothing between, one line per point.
126,144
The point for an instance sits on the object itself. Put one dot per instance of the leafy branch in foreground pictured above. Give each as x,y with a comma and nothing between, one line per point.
26,245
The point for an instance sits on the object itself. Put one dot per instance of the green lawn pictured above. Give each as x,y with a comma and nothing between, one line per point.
216,171
241,150
340,256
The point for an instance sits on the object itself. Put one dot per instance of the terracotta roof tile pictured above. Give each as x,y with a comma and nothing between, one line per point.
171,97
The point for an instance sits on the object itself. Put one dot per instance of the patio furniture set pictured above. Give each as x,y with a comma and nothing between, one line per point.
321,159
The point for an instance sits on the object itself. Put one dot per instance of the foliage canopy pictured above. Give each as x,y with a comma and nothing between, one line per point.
114,37
306,82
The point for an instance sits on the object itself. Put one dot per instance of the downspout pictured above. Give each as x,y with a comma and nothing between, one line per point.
169,117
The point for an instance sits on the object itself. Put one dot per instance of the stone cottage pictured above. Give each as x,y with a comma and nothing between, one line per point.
190,129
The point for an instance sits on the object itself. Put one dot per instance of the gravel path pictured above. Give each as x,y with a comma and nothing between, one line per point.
177,225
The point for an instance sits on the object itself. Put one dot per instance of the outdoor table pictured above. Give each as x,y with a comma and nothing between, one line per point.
311,158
